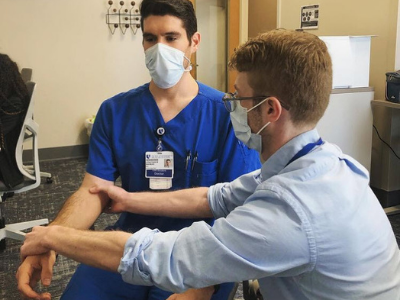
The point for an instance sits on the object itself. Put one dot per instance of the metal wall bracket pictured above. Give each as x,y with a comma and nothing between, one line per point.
123,18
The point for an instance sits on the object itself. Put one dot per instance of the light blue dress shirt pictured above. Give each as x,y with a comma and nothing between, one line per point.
311,229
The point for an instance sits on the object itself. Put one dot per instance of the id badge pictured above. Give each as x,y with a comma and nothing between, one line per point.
159,169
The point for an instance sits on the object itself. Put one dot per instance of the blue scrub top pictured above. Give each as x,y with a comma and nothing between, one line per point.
125,129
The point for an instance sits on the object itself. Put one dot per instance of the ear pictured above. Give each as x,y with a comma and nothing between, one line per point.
195,42
274,109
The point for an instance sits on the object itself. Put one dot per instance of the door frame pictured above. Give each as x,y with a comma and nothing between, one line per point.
237,33
237,16
193,59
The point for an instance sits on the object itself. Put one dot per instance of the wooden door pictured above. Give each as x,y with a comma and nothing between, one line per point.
233,37
193,59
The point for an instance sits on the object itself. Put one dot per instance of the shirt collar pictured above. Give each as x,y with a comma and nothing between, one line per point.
278,161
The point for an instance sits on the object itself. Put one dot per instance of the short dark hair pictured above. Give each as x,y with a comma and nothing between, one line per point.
182,9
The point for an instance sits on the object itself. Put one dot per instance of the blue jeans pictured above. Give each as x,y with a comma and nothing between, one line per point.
90,283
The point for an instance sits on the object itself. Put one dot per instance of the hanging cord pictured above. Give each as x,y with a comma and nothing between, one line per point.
385,142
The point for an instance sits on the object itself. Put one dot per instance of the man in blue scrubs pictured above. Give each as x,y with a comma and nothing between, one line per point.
306,225
173,118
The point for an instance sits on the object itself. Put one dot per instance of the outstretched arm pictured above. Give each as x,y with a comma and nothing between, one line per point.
187,203
88,247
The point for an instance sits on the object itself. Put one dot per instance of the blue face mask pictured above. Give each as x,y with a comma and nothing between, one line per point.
243,130
165,65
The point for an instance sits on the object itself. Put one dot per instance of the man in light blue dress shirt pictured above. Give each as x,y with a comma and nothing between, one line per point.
306,225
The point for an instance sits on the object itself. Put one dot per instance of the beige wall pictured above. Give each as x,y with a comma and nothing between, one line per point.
262,16
357,17
76,62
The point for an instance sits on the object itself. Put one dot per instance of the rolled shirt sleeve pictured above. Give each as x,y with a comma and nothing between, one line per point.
225,197
129,266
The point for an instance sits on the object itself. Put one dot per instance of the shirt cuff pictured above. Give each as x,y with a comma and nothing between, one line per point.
131,266
214,197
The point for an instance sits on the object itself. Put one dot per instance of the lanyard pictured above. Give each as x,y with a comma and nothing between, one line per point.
307,148
160,131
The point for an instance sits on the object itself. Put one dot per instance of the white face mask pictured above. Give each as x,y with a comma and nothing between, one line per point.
243,130
165,65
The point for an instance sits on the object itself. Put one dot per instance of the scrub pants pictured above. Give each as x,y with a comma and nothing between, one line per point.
90,283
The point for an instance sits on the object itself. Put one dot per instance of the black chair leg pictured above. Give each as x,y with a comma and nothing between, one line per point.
251,291
3,220
2,245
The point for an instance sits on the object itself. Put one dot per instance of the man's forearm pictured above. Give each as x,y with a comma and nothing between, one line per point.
187,203
83,208
78,212
95,248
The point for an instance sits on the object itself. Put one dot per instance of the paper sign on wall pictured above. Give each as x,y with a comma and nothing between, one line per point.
309,16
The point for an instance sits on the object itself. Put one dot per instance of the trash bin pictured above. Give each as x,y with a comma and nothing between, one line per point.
385,166
89,124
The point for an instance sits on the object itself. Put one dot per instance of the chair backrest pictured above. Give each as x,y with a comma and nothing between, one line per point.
30,86
29,129
26,74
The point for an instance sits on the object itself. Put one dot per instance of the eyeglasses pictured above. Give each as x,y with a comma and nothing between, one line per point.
230,101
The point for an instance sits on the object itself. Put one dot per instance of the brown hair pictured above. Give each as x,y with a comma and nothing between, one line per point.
293,66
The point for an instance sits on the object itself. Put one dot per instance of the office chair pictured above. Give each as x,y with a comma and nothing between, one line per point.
31,178
26,74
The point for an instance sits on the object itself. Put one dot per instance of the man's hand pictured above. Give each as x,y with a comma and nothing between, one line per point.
32,270
118,197
34,242
194,294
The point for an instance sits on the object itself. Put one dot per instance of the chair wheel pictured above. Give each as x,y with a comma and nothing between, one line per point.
7,195
49,179
2,245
